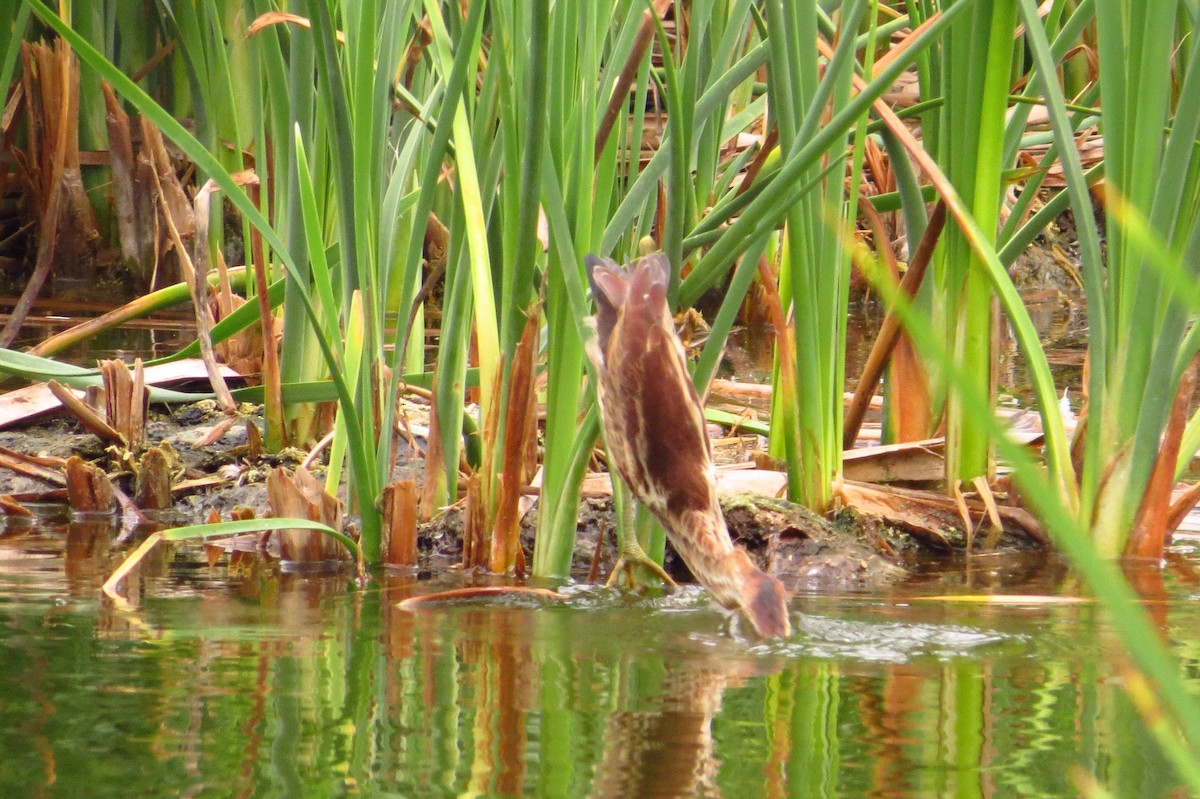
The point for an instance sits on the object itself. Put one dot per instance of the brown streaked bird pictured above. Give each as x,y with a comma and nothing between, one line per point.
654,431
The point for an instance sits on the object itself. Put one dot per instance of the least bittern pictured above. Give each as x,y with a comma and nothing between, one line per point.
654,431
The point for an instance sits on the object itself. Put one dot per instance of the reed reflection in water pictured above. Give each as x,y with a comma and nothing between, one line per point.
267,684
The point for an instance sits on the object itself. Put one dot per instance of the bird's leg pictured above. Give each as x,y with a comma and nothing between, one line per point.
630,555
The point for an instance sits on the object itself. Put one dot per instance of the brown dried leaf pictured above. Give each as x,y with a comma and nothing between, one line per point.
86,416
264,21
299,495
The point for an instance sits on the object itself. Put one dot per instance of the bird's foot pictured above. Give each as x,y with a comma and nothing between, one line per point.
632,560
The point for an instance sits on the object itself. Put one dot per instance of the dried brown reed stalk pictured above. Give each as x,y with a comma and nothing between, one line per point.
889,338
520,427
298,495
125,399
67,227
152,486
133,194
88,488
400,522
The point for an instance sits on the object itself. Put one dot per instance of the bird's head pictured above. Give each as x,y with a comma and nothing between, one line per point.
631,299
758,595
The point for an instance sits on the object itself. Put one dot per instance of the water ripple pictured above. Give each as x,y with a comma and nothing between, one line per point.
883,642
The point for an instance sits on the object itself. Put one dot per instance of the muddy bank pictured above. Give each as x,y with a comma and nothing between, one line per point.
807,552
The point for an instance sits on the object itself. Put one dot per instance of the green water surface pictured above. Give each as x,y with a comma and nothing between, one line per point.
265,684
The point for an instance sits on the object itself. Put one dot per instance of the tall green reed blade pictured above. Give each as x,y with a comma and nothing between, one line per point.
450,389
556,534
1077,190
222,109
473,219
351,118
513,102
1138,336
284,65
523,118
363,488
428,168
92,23
976,64
1154,172
730,32
1137,633
680,90
575,34
12,38
335,104
322,283
1069,33
815,266
458,294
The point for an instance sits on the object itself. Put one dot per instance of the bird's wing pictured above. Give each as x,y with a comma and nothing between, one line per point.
672,422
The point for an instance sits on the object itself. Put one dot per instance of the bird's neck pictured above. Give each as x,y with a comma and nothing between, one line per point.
703,541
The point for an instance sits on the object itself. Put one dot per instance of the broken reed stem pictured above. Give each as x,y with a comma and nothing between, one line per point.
299,495
63,67
87,417
518,430
196,278
400,520
271,381
152,484
125,399
88,488
474,527
889,331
